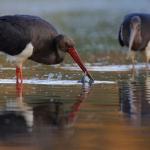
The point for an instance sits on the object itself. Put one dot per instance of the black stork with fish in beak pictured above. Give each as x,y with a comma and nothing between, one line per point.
25,37
135,34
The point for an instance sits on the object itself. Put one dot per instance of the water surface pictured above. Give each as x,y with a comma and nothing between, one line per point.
107,115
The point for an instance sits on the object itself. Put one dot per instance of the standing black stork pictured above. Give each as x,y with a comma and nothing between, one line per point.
135,33
25,37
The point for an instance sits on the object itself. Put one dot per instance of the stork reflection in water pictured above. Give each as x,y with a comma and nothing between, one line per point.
134,98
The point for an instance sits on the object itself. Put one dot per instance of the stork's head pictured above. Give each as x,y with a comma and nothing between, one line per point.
135,23
63,42
66,44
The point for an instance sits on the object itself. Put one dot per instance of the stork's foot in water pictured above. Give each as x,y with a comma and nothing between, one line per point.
19,81
19,76
86,81
19,89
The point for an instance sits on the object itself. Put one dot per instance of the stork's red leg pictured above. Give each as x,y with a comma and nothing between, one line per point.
19,89
19,80
19,76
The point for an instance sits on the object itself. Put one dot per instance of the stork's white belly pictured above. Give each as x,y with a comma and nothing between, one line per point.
20,58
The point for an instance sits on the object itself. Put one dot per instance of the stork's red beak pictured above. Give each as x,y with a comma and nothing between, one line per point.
74,54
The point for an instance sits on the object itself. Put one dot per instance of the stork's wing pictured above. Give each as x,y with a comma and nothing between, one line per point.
13,39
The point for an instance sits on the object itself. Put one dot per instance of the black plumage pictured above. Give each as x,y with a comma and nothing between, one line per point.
19,30
134,33
30,37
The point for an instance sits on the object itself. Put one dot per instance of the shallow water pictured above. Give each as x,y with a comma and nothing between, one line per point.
50,113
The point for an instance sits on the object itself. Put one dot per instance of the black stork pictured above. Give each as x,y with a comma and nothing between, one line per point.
135,34
25,37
